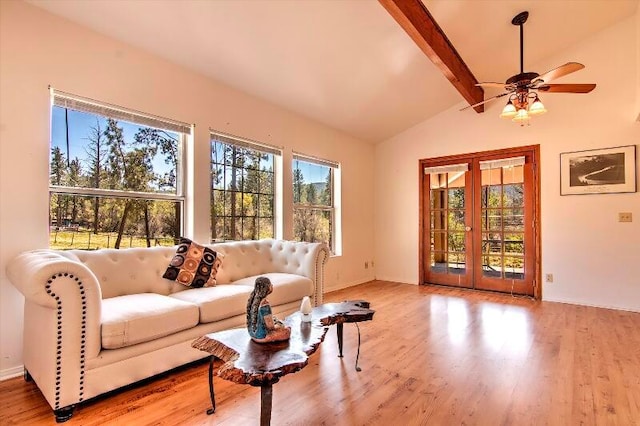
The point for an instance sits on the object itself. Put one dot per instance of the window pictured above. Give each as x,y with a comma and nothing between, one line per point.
314,194
242,188
116,176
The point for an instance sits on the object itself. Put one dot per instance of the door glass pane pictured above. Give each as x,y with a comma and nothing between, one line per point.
456,184
492,219
514,243
514,246
492,266
438,199
456,198
456,220
438,261
514,268
438,221
456,241
513,219
437,194
457,263
494,196
491,245
514,195
438,241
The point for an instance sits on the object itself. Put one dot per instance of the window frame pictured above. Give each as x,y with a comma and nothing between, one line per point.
105,110
244,143
333,208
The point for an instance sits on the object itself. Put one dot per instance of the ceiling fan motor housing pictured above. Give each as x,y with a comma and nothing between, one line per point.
522,79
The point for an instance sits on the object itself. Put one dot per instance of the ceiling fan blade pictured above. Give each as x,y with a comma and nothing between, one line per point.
562,70
567,88
491,84
485,101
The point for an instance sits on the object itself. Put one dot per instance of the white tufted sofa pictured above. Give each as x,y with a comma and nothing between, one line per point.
98,320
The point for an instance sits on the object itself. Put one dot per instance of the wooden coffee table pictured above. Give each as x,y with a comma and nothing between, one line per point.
263,364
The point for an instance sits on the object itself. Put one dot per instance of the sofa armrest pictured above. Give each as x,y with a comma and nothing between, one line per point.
307,259
61,321
33,274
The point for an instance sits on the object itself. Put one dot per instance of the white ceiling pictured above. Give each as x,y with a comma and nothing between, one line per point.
344,63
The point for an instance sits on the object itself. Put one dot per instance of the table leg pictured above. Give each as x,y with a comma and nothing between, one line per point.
211,392
266,397
358,354
340,330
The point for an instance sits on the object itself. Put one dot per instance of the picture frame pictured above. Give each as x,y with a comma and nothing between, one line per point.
598,171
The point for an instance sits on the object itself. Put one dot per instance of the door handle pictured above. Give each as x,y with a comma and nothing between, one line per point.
468,228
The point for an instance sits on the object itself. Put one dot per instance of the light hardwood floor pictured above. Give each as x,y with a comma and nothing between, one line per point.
431,356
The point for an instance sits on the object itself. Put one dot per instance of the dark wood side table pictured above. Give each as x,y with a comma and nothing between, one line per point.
263,364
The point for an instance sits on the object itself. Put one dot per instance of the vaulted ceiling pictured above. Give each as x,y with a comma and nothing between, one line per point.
345,63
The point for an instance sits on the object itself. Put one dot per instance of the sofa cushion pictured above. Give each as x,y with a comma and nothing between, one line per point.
136,318
286,287
217,303
193,265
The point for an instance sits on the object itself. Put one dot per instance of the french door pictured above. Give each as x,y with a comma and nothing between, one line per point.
478,221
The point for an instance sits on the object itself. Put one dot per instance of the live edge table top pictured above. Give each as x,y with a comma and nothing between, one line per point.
259,364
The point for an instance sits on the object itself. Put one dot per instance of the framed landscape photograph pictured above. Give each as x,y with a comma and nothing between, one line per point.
598,171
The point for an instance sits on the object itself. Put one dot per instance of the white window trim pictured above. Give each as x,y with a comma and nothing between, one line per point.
185,131
336,198
278,154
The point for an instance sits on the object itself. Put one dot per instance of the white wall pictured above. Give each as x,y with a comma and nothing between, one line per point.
595,260
40,49
638,63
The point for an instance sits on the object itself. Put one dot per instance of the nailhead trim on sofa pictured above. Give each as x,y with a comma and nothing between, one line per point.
83,339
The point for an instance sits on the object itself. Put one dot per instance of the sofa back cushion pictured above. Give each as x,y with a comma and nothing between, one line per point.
129,271
248,258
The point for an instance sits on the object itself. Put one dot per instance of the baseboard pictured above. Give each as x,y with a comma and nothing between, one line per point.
593,305
10,373
395,280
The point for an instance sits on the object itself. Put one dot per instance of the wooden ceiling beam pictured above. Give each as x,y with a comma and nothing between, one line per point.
415,19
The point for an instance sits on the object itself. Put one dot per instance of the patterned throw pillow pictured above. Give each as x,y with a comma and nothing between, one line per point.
194,265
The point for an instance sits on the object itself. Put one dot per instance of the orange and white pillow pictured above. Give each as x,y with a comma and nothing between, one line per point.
194,265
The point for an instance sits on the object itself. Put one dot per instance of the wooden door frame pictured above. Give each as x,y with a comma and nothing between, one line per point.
532,152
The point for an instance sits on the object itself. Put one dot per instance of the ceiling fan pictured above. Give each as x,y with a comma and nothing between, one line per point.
522,88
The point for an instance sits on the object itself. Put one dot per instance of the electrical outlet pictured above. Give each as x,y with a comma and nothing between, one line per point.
625,217
548,278
366,265
372,263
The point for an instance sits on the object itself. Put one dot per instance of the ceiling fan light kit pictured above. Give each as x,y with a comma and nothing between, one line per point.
521,106
523,88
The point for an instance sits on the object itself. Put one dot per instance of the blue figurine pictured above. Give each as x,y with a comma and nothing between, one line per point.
263,326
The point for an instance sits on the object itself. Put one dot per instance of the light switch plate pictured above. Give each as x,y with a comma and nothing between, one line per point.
625,217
